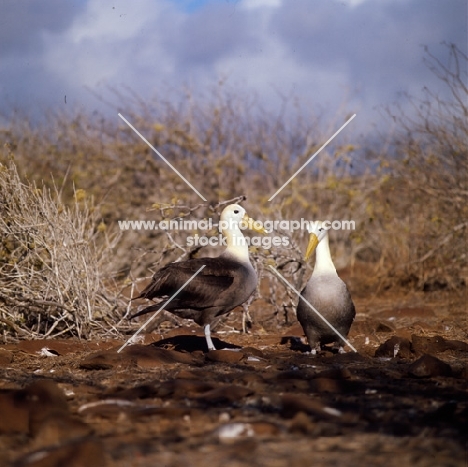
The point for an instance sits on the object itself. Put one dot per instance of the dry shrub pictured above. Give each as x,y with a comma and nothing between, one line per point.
53,262
426,185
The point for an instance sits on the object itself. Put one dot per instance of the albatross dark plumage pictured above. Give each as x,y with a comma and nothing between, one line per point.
327,293
224,283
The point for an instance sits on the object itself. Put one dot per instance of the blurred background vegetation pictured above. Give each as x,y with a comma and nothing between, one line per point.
67,269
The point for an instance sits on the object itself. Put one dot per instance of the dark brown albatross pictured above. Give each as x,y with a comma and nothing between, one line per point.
224,283
327,293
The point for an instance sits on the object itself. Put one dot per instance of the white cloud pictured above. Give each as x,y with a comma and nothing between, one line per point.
111,42
115,21
253,4
354,2
325,52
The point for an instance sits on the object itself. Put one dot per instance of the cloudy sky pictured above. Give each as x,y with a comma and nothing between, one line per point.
362,54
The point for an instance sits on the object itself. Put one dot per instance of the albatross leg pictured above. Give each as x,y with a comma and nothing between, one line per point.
246,319
208,338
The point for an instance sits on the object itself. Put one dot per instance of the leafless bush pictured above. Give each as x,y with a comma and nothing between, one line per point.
427,181
53,262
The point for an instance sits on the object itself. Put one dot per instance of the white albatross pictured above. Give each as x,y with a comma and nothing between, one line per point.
224,283
327,293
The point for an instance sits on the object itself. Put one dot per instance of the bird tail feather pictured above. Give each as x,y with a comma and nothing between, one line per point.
148,309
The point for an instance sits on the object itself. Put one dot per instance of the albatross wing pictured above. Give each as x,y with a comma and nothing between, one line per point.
220,286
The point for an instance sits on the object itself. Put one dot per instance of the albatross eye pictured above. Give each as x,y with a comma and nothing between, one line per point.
236,211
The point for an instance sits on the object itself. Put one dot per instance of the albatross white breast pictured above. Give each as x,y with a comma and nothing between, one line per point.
327,293
224,283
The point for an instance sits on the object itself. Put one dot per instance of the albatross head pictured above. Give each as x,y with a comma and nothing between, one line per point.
317,233
234,216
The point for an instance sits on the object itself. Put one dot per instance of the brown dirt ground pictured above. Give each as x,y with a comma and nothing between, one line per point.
401,400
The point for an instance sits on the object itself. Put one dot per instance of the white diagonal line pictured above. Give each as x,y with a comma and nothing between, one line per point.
312,307
162,157
312,157
157,312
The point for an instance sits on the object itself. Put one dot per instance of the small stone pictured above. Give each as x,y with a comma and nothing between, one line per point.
395,347
105,360
429,366
428,345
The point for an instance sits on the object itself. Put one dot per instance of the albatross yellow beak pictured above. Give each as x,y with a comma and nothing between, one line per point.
313,242
254,225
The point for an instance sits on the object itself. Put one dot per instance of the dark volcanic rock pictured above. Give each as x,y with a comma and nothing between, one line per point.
148,356
436,344
429,366
105,360
395,347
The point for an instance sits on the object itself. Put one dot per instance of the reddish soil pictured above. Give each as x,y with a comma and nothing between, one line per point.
260,401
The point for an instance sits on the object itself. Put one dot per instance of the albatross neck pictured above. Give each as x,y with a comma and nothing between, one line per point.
237,246
323,261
